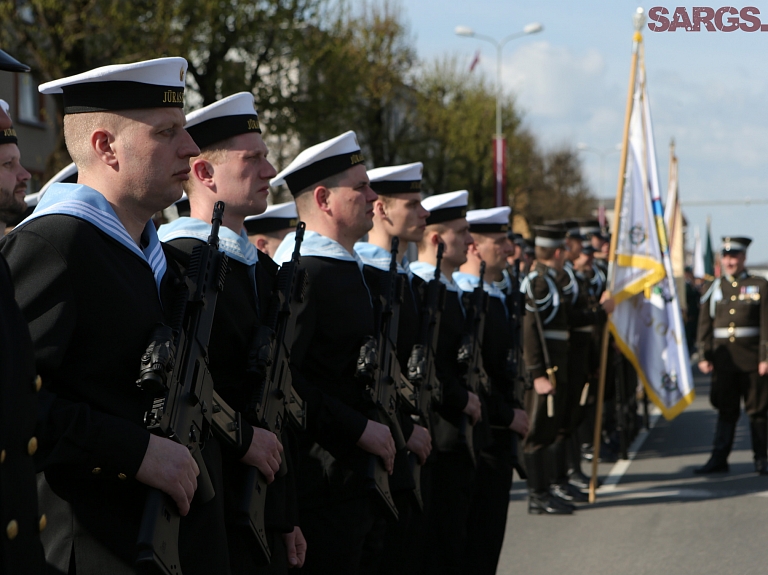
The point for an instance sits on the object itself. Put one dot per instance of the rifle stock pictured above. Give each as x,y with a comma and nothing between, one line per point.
470,356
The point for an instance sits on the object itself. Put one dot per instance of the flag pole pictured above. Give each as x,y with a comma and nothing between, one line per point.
637,38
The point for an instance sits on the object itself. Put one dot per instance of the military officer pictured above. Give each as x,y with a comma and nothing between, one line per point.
89,271
545,351
21,519
267,230
233,168
339,500
493,480
733,346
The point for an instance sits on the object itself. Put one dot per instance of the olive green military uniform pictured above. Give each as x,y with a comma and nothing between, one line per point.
733,335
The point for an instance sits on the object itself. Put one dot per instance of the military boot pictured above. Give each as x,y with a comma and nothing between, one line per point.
560,487
718,461
575,474
759,429
539,499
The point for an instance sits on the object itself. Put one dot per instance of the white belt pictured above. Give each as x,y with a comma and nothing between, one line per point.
727,332
559,334
585,329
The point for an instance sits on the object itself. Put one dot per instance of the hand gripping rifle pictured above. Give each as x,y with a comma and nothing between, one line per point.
471,358
379,368
174,369
273,400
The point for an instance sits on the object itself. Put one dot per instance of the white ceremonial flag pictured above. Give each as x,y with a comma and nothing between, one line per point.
698,256
673,219
647,323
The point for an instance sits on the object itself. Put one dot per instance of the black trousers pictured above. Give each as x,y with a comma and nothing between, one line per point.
488,514
336,534
452,488
729,387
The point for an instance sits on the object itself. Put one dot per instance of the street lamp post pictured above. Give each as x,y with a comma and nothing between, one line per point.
465,31
602,153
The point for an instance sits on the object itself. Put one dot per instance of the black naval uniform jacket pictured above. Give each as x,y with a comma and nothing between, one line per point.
235,321
331,326
20,551
497,347
733,323
407,331
91,305
454,394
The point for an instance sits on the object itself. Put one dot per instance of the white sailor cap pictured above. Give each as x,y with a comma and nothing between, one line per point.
320,161
232,116
155,83
445,207
735,244
7,136
275,217
396,179
492,220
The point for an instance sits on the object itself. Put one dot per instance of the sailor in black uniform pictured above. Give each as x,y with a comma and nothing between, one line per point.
233,168
398,213
493,481
453,470
89,270
337,504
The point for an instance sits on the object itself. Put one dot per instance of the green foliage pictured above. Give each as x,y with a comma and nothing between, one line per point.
317,68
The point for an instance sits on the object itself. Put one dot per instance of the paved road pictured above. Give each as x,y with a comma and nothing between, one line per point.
659,518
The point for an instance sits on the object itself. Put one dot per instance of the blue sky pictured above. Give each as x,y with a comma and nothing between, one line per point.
707,91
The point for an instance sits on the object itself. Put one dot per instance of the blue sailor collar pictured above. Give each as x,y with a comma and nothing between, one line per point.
379,258
426,271
317,245
468,282
235,245
87,204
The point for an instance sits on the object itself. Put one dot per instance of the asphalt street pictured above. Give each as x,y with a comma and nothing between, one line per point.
658,517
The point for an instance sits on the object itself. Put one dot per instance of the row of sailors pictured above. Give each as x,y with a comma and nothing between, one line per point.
91,281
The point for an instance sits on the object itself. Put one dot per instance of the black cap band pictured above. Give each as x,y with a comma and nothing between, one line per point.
446,214
266,225
217,129
387,187
8,136
488,228
318,171
119,95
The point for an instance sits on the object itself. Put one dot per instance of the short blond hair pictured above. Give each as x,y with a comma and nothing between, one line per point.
215,154
78,129
432,228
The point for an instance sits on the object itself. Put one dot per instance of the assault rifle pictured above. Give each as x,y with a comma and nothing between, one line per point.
174,369
471,358
273,400
379,368
424,391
